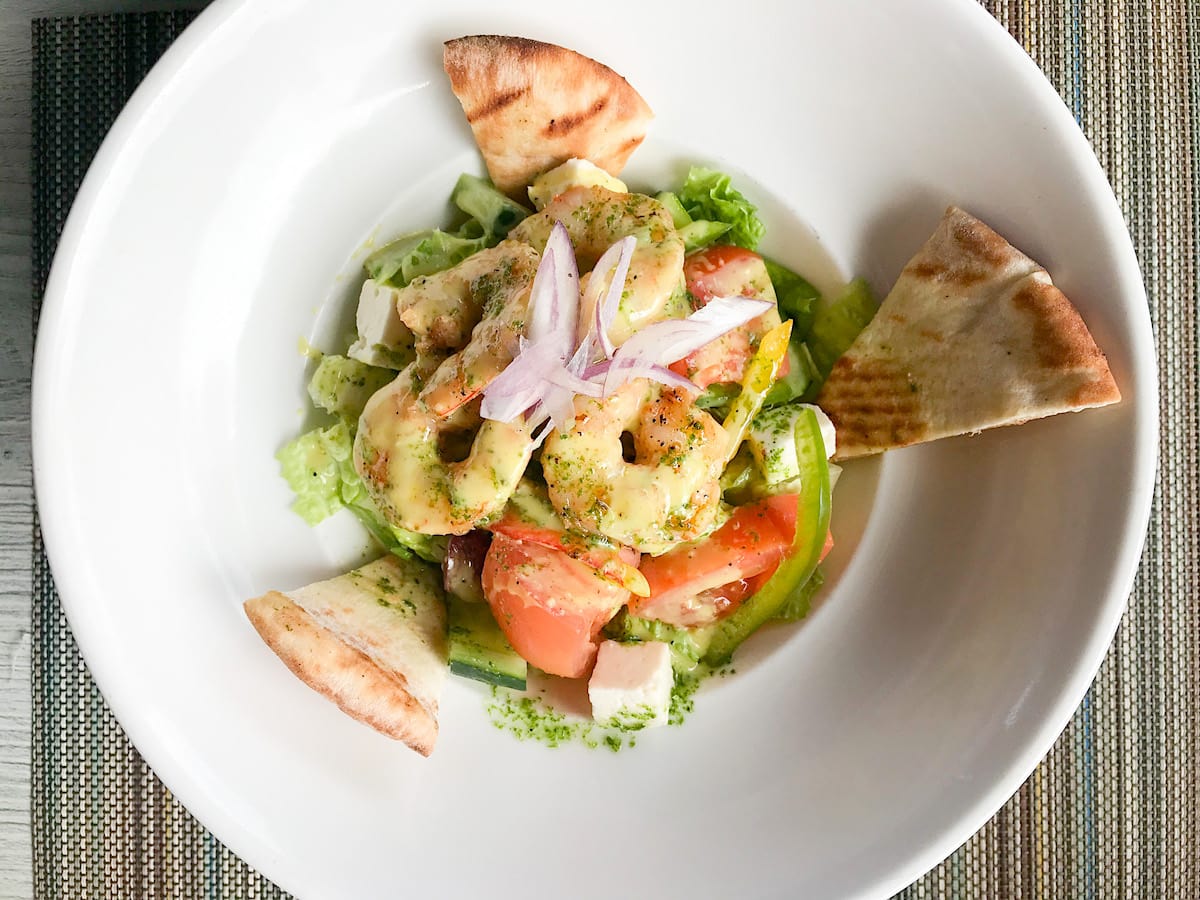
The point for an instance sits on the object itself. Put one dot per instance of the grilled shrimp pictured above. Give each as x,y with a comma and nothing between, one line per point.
476,312
668,493
436,475
443,309
596,218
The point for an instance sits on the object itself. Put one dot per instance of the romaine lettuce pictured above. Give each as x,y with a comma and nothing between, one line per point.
495,212
835,327
796,297
317,466
342,386
424,253
799,603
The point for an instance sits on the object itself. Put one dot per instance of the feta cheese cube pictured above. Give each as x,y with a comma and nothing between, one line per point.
631,685
383,340
572,173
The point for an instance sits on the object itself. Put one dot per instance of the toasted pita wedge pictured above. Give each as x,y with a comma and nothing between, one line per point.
373,641
972,336
533,106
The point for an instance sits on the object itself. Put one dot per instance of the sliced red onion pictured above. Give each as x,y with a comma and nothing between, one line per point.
552,368
663,375
614,264
663,343
554,297
568,380
653,371
595,370
521,384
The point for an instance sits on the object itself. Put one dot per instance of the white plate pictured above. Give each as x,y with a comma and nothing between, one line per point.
988,574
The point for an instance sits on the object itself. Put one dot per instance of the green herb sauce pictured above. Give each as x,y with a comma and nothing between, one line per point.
529,718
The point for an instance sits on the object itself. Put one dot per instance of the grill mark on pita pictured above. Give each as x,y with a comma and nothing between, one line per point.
980,242
851,373
496,103
964,274
860,436
876,406
1060,339
568,123
967,253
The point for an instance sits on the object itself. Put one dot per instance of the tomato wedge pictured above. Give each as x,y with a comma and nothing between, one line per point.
699,583
550,607
727,271
616,564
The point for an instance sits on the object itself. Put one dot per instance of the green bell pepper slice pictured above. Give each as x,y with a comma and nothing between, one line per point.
812,526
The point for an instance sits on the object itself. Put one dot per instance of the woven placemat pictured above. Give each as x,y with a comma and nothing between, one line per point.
1111,812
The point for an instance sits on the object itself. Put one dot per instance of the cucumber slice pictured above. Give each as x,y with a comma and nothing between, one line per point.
479,649
701,233
671,201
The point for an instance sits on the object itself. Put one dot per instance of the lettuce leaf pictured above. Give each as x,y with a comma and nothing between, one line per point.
479,199
708,195
342,386
799,604
425,252
835,327
796,296
319,468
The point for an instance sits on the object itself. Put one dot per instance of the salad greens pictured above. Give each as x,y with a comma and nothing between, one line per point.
319,464
708,194
342,386
834,327
706,209
797,298
494,211
319,468
696,233
491,215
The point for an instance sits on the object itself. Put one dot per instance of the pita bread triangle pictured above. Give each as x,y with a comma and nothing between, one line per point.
373,641
533,106
972,336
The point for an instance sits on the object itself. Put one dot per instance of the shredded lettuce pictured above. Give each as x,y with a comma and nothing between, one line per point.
342,386
429,547
708,195
491,216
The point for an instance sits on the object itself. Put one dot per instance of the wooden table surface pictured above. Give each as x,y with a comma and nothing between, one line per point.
16,360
